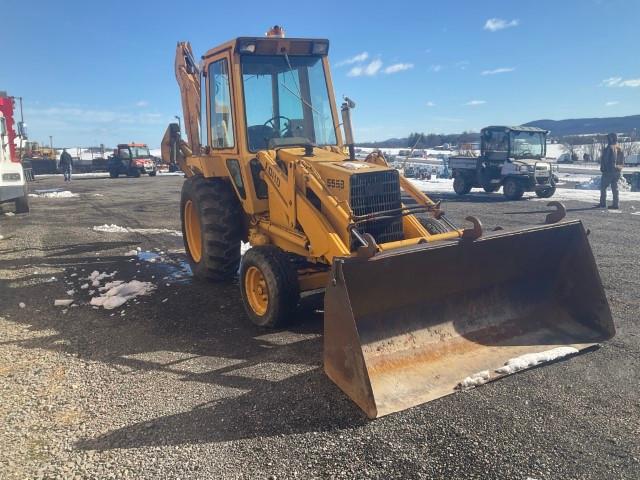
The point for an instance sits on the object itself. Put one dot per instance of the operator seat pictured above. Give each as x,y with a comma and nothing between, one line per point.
259,136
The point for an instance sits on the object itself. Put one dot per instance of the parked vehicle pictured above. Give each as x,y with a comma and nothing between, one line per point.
131,160
511,158
13,185
565,158
633,159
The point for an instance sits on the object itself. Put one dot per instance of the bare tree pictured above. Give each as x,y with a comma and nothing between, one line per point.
630,144
595,148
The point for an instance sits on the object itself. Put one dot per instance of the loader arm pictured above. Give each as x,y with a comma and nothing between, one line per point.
188,77
289,204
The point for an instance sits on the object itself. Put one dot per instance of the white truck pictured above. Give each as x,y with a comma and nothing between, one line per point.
13,185
510,157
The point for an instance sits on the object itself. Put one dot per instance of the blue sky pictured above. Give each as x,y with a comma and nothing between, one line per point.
102,72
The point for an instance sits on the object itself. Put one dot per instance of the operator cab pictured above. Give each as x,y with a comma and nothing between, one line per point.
286,101
504,143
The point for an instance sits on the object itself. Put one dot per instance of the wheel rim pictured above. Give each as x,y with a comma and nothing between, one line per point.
509,188
257,292
193,231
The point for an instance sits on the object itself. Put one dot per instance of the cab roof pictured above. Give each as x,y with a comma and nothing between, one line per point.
272,46
517,128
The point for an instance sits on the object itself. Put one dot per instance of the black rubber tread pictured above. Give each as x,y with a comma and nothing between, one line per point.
433,225
461,185
518,191
135,173
282,283
22,204
220,224
113,174
546,193
152,174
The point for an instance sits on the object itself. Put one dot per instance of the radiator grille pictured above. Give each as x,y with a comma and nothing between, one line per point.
375,192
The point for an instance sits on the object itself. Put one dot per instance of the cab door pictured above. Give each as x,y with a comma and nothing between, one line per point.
222,118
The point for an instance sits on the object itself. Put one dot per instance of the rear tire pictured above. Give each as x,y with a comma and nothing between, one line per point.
513,189
269,286
211,228
135,173
152,174
546,193
461,185
433,225
22,204
113,174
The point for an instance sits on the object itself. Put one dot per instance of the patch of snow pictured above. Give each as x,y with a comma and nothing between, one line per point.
244,247
84,286
119,292
131,253
56,194
110,228
532,359
475,380
73,275
9,214
98,195
95,277
71,292
21,305
144,231
64,302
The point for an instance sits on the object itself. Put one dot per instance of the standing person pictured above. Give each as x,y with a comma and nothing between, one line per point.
66,165
611,167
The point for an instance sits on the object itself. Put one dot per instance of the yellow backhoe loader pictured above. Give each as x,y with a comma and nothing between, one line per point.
413,304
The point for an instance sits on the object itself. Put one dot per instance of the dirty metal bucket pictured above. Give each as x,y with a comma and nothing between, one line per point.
407,326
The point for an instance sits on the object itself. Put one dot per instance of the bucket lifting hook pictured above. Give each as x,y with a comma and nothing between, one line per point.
472,233
558,214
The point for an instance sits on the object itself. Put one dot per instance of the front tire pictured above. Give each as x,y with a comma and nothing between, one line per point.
433,225
113,174
546,193
461,185
513,189
152,174
22,204
211,228
269,286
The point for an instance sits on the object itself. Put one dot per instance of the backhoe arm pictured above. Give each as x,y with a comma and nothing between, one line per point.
188,77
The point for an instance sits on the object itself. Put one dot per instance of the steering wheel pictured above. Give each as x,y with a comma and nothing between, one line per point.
271,123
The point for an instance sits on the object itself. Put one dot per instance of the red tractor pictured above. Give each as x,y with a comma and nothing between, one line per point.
131,160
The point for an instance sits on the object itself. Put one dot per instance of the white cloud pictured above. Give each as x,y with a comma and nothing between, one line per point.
495,71
495,24
361,57
430,104
463,64
620,82
475,103
436,68
611,104
369,70
142,103
398,67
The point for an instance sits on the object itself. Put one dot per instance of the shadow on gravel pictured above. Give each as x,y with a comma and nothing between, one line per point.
266,383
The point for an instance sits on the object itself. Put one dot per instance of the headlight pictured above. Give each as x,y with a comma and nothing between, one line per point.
10,177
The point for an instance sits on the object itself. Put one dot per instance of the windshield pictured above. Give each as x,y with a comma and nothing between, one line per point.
139,152
527,144
286,97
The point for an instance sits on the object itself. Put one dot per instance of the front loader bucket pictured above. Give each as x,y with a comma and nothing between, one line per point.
407,326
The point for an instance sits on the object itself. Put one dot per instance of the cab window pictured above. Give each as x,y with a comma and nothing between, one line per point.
221,105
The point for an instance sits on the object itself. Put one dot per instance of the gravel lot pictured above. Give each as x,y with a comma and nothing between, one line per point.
187,388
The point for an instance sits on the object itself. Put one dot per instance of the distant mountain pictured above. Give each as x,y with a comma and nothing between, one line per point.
583,126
